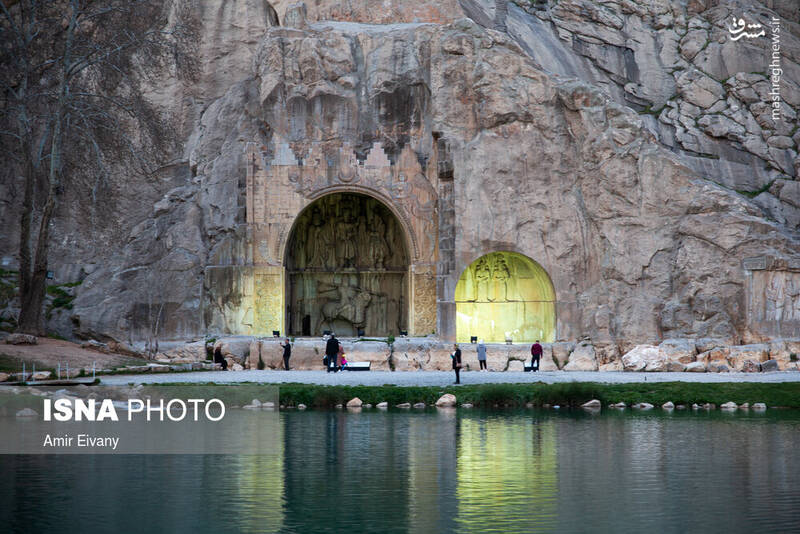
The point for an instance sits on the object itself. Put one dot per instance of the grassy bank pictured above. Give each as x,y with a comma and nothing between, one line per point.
571,394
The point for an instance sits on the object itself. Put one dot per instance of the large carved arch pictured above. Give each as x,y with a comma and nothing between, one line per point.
284,178
402,217
347,268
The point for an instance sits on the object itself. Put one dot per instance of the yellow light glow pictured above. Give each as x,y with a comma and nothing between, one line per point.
505,295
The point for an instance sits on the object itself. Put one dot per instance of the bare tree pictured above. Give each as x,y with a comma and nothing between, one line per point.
67,94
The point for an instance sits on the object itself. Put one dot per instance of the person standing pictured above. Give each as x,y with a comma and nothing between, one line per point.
456,356
287,352
331,350
536,355
219,358
482,355
339,357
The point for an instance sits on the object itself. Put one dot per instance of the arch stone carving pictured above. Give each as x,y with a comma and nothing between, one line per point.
505,295
283,178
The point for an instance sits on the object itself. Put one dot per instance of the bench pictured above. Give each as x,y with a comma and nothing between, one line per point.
529,368
357,366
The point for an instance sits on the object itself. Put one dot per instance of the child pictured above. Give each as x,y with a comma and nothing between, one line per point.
344,362
341,362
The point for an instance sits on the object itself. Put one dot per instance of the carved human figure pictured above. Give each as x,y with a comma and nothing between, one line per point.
421,200
378,250
481,280
351,307
791,299
500,276
301,257
774,294
362,240
320,240
346,239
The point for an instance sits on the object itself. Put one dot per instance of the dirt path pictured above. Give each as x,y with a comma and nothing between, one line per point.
48,353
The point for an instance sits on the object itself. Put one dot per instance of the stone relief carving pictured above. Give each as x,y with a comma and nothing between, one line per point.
267,302
425,302
347,268
351,307
505,295
781,300
490,277
342,237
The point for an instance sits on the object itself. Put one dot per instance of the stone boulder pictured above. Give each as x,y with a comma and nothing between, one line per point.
717,354
679,350
783,352
4,377
439,358
21,339
705,344
592,404
561,352
740,354
236,348
410,354
769,366
516,365
307,354
750,366
615,365
676,367
547,362
194,351
354,403
583,358
696,367
27,412
606,353
447,400
644,358
718,366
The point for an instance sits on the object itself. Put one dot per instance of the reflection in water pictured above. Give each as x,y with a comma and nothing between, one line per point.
258,478
344,470
442,471
507,474
432,459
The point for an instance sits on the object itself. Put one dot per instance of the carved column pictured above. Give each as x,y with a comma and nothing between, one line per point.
446,307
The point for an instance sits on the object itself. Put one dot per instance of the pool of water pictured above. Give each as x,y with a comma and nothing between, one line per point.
435,472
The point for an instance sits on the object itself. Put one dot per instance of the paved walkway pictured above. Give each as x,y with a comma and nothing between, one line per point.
442,378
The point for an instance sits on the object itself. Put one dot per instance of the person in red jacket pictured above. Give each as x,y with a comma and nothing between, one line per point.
536,355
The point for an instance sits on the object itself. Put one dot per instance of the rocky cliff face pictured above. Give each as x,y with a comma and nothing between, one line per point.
605,140
702,94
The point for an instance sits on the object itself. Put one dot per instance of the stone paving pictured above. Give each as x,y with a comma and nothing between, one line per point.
443,378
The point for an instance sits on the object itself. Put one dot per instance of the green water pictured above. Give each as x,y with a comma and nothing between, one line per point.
436,472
